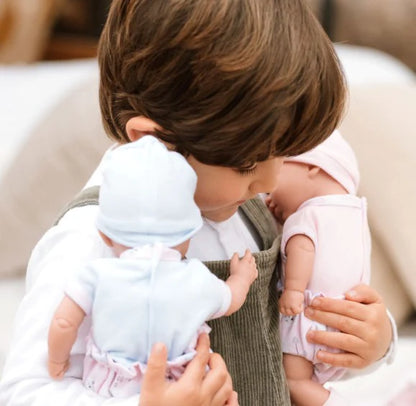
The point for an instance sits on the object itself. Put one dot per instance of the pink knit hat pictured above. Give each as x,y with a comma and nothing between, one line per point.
336,158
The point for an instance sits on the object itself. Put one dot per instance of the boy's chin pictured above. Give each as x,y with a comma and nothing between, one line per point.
222,214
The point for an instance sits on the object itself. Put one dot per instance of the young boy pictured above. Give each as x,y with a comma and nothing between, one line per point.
233,85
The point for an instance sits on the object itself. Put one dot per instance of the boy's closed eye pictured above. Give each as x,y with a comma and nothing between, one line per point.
249,170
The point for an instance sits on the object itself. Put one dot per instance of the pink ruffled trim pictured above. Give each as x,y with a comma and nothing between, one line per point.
111,378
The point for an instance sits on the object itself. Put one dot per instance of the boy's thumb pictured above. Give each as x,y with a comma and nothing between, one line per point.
156,367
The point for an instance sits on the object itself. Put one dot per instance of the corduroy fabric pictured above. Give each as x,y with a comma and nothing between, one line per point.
248,340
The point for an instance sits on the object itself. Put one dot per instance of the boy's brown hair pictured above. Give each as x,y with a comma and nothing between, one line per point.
231,82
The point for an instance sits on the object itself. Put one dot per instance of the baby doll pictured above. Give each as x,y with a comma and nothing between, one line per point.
325,251
148,292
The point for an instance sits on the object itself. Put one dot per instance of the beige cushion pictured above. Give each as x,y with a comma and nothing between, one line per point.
51,167
381,127
25,28
387,25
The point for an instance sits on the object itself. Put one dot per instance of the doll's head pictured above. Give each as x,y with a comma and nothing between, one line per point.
147,196
330,168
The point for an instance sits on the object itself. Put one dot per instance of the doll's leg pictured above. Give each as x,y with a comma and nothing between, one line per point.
303,390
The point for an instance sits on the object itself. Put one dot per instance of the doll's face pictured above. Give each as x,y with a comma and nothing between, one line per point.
293,188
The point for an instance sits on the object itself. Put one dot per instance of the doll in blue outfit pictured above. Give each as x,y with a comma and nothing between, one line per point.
148,292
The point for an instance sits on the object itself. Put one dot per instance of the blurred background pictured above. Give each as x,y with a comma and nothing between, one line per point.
67,29
51,139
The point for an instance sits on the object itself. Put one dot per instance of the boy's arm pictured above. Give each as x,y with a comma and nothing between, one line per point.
243,273
300,254
62,335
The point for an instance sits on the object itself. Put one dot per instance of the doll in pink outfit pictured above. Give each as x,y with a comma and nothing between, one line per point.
325,251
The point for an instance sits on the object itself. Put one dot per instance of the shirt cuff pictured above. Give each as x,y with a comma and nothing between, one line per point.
130,401
391,352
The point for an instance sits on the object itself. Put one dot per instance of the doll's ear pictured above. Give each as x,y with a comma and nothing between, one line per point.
313,171
108,241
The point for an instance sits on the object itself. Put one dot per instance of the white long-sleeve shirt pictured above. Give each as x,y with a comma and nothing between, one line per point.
61,250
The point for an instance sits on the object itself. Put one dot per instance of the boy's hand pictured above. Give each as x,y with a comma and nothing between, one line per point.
365,329
244,268
57,369
195,387
291,302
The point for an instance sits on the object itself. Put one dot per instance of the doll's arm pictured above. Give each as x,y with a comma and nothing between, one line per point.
300,253
243,273
62,335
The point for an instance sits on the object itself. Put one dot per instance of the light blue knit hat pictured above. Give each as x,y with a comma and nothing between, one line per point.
147,196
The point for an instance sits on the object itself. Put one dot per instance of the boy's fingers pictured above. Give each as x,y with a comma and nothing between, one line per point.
363,294
234,258
223,395
345,359
348,324
247,254
323,307
196,369
233,400
218,383
345,342
156,368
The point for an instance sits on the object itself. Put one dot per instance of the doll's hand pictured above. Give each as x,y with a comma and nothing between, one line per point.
196,387
365,330
243,273
244,268
291,302
57,369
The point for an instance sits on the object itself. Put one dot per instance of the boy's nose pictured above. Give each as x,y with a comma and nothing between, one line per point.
267,178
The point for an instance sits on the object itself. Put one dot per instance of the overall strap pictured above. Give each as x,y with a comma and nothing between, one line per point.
261,220
86,197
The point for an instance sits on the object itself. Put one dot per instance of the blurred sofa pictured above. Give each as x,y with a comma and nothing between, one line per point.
43,165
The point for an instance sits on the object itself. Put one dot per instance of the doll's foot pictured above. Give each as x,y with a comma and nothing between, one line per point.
335,399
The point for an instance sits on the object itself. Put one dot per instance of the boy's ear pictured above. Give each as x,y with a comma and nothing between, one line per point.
138,126
108,241
313,170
